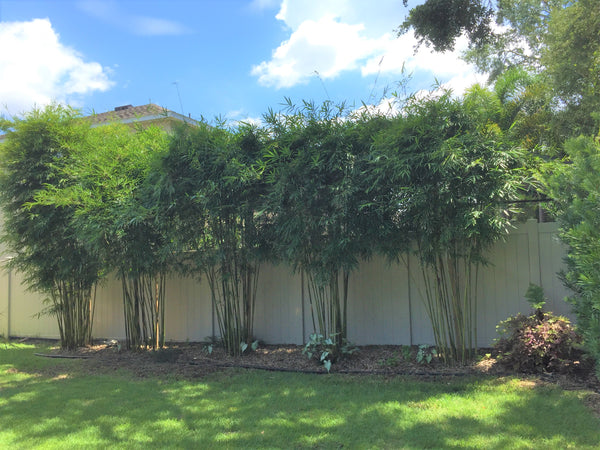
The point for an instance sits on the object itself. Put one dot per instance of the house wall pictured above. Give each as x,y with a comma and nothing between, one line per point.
384,304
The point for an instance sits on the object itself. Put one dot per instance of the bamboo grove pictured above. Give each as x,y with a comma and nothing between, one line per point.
317,188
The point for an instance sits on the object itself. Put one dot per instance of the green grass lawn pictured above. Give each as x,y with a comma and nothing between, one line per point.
64,408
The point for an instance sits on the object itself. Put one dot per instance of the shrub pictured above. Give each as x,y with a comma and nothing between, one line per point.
574,185
537,343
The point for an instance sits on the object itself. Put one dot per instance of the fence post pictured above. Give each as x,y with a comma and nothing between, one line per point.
533,238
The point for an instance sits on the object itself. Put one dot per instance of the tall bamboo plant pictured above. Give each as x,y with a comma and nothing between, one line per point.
209,187
41,237
125,226
115,217
312,166
450,175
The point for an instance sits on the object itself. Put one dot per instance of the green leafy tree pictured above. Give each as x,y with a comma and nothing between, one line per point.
314,164
441,22
517,40
115,217
447,173
571,60
209,188
554,39
574,184
41,238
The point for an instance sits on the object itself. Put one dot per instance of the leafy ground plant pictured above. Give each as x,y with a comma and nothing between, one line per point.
49,403
530,344
425,354
326,350
538,342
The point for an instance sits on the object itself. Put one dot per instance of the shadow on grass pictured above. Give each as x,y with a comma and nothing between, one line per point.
250,409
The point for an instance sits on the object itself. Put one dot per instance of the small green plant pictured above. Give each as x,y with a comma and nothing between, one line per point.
425,354
536,298
244,346
325,350
208,349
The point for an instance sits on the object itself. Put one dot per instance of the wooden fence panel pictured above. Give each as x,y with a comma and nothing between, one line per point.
502,284
552,253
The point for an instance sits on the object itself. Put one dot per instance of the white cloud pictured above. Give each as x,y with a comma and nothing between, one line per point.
332,37
36,68
325,46
110,12
254,121
240,116
388,107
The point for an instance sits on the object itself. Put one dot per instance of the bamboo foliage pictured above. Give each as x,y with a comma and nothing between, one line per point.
41,237
233,281
211,187
451,304
329,306
313,166
317,188
451,173
131,238
115,218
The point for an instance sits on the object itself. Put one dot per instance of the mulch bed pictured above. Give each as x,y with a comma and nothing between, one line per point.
192,360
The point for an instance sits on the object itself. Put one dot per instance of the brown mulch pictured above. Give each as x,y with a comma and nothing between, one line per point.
192,360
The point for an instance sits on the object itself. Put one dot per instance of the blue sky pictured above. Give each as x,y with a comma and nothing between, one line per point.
229,58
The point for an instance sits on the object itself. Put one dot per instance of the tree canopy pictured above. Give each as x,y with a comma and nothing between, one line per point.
42,238
557,39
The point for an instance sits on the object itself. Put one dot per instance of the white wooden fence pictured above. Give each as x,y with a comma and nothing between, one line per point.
385,306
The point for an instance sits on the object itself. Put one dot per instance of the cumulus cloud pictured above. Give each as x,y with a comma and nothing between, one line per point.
36,68
110,12
325,46
336,36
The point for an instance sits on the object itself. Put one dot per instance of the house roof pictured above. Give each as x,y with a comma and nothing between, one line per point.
132,114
